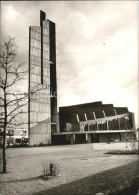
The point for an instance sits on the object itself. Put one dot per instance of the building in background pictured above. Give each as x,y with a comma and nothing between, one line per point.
42,105
94,122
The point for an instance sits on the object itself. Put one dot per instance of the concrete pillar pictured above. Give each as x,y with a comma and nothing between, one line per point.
77,117
85,116
72,138
104,114
133,121
97,126
107,125
88,138
118,123
115,112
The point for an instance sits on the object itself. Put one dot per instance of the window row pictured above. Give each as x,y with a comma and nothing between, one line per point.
42,89
37,70
46,55
35,52
45,47
39,107
35,60
46,80
46,72
46,63
36,29
35,78
35,35
36,43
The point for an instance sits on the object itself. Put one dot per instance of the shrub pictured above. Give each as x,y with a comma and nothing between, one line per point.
123,152
45,169
50,169
54,169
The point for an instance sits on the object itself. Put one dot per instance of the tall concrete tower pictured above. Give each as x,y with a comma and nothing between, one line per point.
42,104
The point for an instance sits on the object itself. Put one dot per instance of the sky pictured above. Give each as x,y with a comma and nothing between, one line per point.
97,47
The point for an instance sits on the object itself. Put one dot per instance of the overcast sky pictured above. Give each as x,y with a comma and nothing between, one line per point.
97,47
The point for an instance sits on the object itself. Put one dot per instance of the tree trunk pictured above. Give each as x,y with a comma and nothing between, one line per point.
4,154
5,130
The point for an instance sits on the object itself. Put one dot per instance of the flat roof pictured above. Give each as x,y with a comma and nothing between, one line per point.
91,132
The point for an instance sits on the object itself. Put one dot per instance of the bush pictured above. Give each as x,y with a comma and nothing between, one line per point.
45,169
54,169
50,169
123,152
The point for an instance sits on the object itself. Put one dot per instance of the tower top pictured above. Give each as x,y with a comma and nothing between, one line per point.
42,17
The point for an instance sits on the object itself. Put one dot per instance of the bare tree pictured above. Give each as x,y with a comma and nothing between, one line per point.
11,100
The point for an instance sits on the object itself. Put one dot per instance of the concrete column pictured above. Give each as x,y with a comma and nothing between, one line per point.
85,116
115,112
72,138
104,114
94,115
97,126
133,121
88,138
118,123
107,125
77,117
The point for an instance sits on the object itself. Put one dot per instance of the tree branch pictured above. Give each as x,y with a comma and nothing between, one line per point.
20,106
14,116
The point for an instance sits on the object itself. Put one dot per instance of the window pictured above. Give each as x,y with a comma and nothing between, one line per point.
46,24
45,47
46,54
45,31
45,39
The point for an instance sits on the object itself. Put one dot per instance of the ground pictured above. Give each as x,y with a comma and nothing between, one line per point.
84,168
